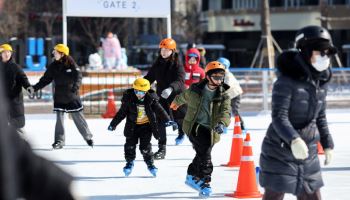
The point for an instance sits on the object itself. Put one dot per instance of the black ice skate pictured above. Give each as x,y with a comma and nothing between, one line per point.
57,145
90,143
160,154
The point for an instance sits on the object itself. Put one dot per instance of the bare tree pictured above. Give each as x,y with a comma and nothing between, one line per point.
13,18
187,22
52,11
95,28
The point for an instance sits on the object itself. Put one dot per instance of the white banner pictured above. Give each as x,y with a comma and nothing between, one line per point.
117,8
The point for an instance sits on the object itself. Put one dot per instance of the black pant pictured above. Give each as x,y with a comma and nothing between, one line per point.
201,166
272,195
144,133
176,115
235,104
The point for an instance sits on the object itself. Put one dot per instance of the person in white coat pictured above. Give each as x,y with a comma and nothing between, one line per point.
235,90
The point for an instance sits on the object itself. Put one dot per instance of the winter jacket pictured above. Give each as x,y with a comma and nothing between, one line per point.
194,73
235,89
67,80
25,175
298,108
14,79
167,74
220,109
128,109
111,48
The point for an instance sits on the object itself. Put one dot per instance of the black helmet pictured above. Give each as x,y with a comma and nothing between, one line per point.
315,38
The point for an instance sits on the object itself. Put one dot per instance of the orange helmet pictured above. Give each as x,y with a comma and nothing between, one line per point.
168,43
214,65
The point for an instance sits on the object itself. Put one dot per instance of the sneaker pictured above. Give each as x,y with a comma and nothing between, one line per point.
179,139
57,145
128,168
90,143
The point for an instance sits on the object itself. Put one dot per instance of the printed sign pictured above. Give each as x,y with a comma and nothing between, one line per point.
117,8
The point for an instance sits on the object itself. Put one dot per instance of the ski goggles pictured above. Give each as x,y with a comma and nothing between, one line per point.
218,78
139,92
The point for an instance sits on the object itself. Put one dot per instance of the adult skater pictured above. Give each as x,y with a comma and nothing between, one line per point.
170,77
14,79
289,161
66,76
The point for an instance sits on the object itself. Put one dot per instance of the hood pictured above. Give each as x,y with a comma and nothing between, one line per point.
192,51
292,64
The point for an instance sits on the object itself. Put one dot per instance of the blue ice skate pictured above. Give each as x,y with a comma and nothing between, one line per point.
179,139
205,191
153,170
193,182
128,168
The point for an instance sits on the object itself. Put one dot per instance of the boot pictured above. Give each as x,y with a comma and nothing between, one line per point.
160,154
179,139
205,190
194,182
58,145
90,143
152,168
128,168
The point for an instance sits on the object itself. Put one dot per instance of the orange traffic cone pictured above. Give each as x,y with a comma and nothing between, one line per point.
246,185
111,109
320,149
237,145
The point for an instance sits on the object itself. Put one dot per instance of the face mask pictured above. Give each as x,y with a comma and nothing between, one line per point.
321,63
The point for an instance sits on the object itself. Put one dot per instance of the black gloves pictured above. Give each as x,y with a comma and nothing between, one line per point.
219,128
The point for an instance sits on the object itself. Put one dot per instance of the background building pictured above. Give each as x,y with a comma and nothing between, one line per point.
236,23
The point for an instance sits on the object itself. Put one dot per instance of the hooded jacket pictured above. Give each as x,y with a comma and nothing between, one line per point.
128,110
14,79
194,73
298,109
220,107
167,73
67,80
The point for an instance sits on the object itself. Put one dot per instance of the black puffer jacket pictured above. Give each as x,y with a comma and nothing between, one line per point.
128,109
67,80
14,79
298,109
167,73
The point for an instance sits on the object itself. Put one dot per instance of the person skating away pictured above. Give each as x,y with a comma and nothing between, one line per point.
66,78
288,159
194,73
235,92
14,79
170,77
208,112
142,111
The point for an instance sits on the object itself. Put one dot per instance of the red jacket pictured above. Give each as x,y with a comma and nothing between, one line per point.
194,73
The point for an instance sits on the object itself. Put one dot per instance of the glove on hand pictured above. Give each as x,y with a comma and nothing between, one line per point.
167,92
111,128
299,149
174,106
30,90
172,123
329,155
219,128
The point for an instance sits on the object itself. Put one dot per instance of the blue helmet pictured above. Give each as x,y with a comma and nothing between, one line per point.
225,62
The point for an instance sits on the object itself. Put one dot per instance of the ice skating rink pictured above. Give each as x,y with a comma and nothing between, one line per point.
99,176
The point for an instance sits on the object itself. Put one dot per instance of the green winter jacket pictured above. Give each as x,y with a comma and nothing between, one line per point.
220,107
